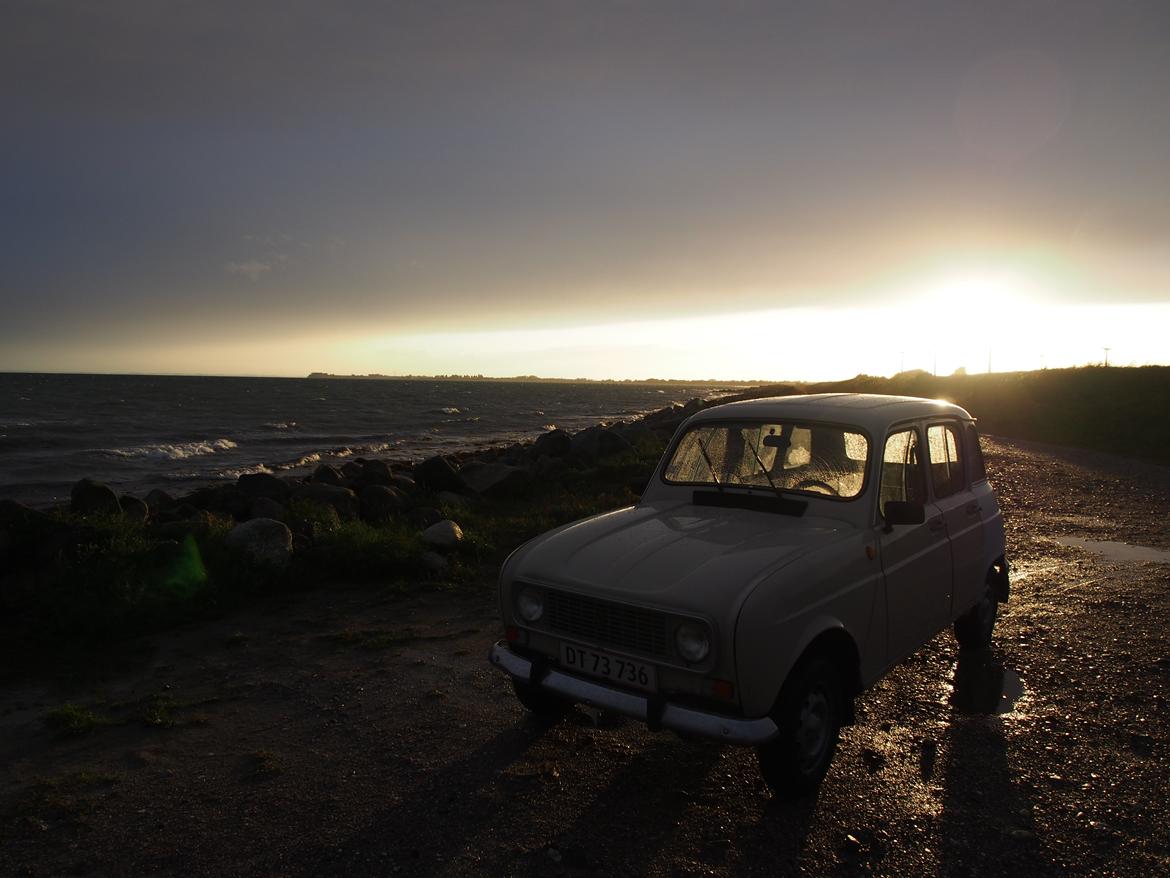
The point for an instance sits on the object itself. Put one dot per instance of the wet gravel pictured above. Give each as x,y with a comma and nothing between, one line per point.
358,734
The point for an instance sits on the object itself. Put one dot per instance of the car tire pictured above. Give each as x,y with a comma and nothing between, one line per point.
973,629
539,702
809,713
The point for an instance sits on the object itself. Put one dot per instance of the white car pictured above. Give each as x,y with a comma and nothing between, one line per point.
785,555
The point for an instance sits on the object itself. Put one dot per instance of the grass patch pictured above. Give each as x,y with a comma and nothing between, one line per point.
159,710
72,719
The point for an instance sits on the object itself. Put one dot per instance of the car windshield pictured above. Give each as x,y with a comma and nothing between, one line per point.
810,458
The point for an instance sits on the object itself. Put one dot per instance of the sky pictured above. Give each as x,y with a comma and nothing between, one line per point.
599,189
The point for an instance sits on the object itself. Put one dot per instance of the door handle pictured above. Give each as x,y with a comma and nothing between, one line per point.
935,525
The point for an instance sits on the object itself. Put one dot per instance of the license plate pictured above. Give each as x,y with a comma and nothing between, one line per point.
627,672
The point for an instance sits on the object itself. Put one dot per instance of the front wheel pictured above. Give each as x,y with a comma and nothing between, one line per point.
808,713
973,628
540,702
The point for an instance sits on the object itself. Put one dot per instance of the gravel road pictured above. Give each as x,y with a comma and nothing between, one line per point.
354,733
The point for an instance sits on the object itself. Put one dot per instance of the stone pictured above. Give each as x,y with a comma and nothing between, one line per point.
263,540
435,563
554,443
380,503
266,507
437,474
404,483
158,500
264,485
377,472
444,535
325,474
93,498
597,442
496,479
134,509
227,500
343,500
351,471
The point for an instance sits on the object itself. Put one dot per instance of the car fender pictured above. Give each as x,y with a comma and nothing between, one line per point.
821,592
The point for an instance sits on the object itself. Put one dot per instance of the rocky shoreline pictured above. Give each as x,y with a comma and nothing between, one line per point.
266,522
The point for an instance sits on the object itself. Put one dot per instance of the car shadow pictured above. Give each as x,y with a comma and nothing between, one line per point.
986,824
637,815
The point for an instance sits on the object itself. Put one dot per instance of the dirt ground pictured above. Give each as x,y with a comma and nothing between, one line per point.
352,733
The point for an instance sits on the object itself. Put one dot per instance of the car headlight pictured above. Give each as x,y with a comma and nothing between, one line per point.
692,641
530,605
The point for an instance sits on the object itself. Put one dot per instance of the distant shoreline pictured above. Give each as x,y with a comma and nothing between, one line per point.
536,379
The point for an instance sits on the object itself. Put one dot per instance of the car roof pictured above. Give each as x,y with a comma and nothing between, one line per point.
873,411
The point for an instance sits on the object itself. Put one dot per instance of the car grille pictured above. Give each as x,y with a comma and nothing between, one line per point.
620,625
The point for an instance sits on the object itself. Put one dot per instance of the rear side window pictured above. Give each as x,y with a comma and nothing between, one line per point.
975,455
902,470
946,465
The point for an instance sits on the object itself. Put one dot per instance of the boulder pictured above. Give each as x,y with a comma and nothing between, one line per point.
554,443
343,500
264,485
377,472
158,500
380,503
266,507
351,471
227,500
403,482
325,474
437,474
93,498
496,479
263,540
597,442
435,564
134,509
444,535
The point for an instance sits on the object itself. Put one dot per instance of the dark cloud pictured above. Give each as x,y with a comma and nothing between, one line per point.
193,160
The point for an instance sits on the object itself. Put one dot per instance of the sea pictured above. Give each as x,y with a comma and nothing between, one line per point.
139,432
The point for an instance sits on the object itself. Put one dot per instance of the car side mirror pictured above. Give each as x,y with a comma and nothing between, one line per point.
898,512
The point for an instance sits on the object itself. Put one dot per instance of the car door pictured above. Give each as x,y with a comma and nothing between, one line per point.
916,558
961,509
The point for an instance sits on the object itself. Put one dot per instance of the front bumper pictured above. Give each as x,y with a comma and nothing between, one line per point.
655,712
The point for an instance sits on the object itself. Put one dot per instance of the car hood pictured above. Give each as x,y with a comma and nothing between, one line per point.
677,557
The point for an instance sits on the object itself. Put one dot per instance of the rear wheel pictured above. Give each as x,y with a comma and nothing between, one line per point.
543,704
809,713
973,629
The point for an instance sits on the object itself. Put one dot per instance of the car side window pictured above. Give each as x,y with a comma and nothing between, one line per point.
946,464
902,477
975,455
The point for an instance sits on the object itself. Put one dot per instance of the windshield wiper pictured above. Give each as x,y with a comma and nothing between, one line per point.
710,465
764,469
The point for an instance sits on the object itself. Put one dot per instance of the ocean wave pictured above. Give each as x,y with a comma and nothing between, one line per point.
282,425
446,410
236,472
180,451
